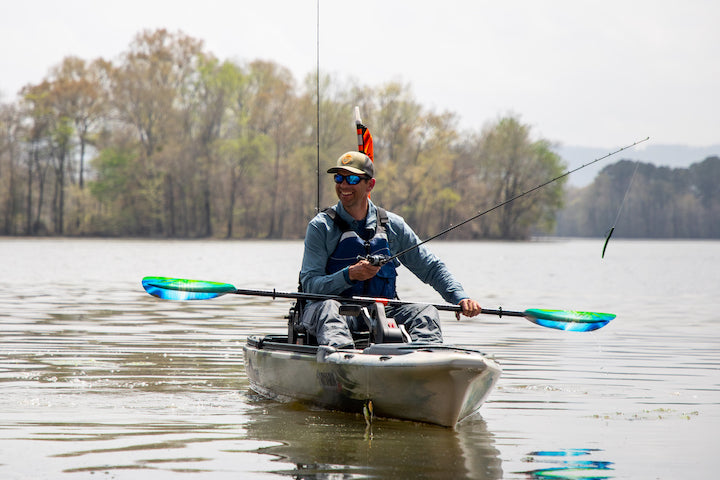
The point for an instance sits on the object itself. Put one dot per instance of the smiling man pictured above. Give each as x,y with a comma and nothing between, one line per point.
356,227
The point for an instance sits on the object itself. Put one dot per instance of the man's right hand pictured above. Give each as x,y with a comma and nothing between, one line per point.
362,271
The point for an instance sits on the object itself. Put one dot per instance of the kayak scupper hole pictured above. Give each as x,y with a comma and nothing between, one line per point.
384,358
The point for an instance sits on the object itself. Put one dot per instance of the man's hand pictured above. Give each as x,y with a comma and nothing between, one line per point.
362,270
470,308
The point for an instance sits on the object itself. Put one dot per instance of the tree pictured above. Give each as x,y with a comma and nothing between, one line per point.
209,108
705,180
400,142
10,141
239,149
273,112
704,177
38,152
78,95
511,164
119,190
148,90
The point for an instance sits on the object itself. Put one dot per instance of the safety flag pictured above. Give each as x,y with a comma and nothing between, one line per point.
365,141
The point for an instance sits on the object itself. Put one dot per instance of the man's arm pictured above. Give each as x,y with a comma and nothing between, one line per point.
318,237
422,262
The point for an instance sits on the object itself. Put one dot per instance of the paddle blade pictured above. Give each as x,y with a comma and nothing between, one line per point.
568,320
183,289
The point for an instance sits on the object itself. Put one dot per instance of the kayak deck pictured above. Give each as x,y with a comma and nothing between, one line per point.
439,384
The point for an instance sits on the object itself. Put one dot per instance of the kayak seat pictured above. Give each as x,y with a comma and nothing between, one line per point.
379,328
298,335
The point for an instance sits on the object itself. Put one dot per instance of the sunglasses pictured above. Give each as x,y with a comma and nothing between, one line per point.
350,179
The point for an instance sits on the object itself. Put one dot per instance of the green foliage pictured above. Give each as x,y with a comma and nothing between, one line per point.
124,194
511,163
115,170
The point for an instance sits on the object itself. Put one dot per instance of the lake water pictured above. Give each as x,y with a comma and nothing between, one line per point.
100,380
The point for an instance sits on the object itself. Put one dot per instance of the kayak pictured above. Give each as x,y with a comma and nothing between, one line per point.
431,383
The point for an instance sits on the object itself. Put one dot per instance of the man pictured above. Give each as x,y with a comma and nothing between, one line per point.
357,227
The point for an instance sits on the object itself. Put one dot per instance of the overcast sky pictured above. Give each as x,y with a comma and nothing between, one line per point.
585,73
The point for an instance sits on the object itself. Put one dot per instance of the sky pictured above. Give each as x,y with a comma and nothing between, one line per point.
585,73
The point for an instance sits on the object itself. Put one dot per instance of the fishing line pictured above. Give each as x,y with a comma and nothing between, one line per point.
612,229
383,259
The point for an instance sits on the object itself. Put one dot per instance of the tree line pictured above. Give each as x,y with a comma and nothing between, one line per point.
648,202
170,141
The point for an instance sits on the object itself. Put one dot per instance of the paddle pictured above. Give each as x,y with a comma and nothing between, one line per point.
183,289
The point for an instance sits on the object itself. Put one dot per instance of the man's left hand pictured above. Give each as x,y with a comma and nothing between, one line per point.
470,308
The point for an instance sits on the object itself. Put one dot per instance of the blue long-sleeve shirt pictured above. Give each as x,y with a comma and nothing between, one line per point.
323,235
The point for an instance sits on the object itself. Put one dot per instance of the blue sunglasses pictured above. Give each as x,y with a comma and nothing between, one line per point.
350,179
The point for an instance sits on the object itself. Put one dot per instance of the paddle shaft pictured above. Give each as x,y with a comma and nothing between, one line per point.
365,300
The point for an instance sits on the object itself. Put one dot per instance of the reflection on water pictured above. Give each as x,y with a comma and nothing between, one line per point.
325,445
99,379
566,464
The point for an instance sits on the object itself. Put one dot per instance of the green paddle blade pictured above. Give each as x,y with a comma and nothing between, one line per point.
568,320
183,289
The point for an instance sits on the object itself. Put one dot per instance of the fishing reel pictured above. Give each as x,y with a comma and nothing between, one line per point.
375,260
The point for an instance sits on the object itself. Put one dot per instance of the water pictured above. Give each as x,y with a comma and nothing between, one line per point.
100,380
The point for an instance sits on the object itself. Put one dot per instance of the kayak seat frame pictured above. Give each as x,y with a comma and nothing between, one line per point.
380,328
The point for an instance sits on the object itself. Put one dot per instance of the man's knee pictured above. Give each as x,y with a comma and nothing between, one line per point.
323,321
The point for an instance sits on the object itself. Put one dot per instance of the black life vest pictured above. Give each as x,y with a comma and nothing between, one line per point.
352,245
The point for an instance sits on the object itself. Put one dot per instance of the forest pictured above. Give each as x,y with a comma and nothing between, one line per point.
642,200
169,141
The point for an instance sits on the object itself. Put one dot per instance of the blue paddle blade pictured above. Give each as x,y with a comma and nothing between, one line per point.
183,289
569,320
573,473
571,452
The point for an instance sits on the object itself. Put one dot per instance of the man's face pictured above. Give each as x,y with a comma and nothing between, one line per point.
353,195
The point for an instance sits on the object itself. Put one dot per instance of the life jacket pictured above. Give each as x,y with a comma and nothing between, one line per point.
352,245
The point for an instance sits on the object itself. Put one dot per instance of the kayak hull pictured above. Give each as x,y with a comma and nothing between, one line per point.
437,384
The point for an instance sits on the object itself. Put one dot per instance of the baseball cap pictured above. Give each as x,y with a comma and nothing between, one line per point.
355,162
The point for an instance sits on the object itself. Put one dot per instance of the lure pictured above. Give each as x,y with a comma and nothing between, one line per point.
368,412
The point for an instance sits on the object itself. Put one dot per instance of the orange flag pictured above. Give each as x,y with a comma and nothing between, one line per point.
365,141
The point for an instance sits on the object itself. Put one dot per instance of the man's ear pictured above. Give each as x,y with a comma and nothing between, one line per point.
371,184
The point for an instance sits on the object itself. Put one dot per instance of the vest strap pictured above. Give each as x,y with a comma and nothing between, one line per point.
345,227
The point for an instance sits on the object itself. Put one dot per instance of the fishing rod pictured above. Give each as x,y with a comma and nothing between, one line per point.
380,260
317,113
